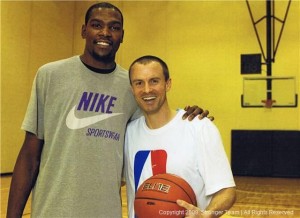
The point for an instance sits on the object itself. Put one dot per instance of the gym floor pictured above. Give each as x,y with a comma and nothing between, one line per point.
256,197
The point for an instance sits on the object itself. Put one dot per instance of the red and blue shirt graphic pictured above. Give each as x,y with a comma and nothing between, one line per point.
157,160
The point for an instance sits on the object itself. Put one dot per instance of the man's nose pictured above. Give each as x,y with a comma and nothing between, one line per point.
105,31
147,88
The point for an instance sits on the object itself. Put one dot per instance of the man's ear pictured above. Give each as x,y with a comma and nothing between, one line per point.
168,84
83,31
122,36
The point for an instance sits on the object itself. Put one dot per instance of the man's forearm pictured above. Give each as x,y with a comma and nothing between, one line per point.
17,199
24,176
23,180
220,203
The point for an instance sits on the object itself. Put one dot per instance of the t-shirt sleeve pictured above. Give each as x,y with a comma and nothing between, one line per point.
34,117
213,164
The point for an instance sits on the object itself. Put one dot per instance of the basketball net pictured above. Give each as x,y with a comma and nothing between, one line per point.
268,103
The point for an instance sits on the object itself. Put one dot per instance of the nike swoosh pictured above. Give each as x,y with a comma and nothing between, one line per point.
73,122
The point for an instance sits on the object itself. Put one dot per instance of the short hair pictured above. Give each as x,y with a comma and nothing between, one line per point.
148,59
101,5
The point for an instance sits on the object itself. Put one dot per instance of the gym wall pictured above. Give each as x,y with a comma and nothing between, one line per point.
201,41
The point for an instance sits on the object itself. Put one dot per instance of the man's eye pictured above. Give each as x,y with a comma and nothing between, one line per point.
96,25
138,83
154,81
115,28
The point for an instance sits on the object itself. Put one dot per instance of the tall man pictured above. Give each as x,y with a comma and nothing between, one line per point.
72,155
160,142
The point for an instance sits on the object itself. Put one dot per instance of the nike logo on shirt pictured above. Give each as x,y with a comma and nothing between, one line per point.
73,122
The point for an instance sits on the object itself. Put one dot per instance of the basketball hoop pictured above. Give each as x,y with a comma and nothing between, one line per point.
268,102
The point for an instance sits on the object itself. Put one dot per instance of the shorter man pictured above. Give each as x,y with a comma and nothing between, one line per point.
160,142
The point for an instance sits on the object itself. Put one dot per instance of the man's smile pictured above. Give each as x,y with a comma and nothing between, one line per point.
149,98
103,43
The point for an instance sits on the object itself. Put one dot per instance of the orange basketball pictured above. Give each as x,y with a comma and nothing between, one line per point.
156,197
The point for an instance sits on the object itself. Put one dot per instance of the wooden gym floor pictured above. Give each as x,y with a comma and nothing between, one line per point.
256,197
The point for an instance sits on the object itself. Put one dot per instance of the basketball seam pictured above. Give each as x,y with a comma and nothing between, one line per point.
142,198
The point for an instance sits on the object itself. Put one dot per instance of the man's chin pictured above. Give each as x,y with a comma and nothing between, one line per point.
148,110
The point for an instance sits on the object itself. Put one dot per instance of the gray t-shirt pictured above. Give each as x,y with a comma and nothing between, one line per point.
81,115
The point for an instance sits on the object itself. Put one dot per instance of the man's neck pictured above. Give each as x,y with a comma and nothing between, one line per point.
157,120
96,63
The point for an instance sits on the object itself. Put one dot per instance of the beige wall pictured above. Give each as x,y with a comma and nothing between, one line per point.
33,33
200,40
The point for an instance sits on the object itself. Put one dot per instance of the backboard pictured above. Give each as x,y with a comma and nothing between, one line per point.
282,92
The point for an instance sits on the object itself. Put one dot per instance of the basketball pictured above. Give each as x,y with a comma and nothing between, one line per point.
156,197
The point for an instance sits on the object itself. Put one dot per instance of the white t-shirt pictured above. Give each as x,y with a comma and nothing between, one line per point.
192,150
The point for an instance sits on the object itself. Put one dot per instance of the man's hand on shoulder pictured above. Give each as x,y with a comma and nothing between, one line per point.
192,112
